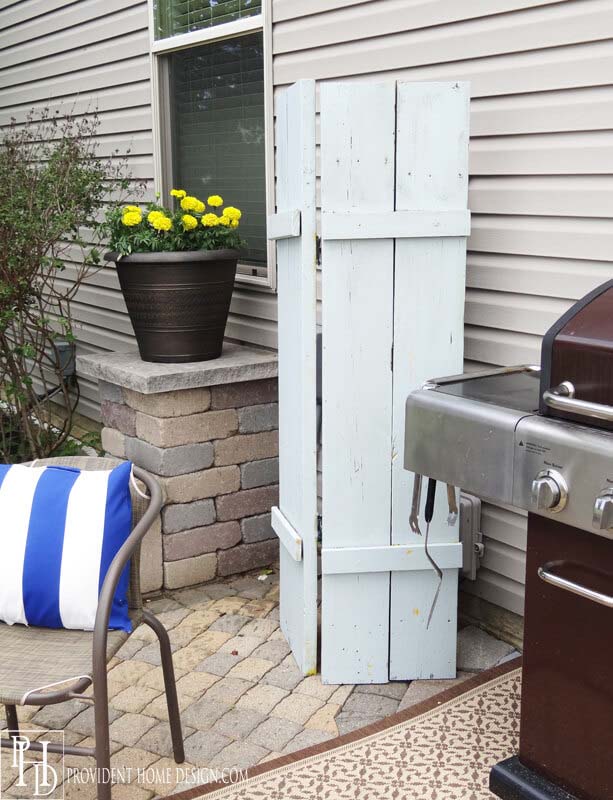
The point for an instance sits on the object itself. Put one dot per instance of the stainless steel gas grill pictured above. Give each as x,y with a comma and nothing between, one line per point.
542,440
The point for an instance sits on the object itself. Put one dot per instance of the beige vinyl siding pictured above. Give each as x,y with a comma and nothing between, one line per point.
541,161
94,54
83,56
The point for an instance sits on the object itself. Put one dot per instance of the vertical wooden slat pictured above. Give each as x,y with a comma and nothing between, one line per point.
357,172
296,260
432,174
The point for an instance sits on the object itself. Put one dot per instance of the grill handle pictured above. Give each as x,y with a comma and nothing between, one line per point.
562,398
546,575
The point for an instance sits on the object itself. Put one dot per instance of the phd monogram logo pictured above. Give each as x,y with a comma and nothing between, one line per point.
32,770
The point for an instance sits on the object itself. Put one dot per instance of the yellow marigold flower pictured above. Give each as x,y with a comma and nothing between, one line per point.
200,207
210,220
189,222
232,212
178,193
162,223
190,203
224,219
153,215
132,218
131,208
234,223
215,200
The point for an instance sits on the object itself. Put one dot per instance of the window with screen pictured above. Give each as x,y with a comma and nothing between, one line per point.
173,17
216,93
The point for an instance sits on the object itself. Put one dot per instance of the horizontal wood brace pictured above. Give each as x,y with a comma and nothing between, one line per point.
394,224
390,558
284,225
287,534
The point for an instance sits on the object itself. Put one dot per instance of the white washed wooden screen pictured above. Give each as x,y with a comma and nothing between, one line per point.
293,226
394,167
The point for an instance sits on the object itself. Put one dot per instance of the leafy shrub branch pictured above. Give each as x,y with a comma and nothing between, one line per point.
53,188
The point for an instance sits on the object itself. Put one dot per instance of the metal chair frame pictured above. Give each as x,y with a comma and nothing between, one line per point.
101,751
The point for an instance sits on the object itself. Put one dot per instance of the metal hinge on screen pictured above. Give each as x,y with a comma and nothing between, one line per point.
318,250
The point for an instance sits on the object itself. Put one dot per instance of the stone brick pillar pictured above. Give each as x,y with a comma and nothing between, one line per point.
208,432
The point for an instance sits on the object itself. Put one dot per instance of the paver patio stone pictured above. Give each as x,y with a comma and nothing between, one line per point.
84,722
230,623
424,690
56,717
201,746
130,791
270,757
161,604
297,708
283,676
347,721
132,758
395,689
158,708
307,738
159,741
155,678
324,719
262,698
204,713
195,684
240,755
373,705
477,650
144,633
274,651
89,741
130,648
313,686
134,699
171,618
341,694
238,723
251,669
241,646
262,628
250,587
258,608
198,622
194,598
127,673
229,605
220,590
217,664
129,728
274,732
228,690
151,652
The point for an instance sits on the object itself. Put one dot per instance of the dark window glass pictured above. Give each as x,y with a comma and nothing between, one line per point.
181,16
217,106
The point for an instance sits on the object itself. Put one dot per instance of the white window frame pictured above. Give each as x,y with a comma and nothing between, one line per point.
160,108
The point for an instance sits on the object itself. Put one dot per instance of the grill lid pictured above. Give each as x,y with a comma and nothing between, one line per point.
577,354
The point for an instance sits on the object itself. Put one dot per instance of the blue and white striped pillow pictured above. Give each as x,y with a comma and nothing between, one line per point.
60,528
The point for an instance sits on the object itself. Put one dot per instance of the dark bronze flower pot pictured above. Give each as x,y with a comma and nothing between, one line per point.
178,302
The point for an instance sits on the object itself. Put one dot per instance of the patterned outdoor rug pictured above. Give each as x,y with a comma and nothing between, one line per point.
442,749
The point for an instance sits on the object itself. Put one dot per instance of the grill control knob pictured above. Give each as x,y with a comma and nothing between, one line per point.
602,519
549,491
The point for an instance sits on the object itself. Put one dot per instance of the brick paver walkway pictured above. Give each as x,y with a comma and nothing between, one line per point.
242,697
